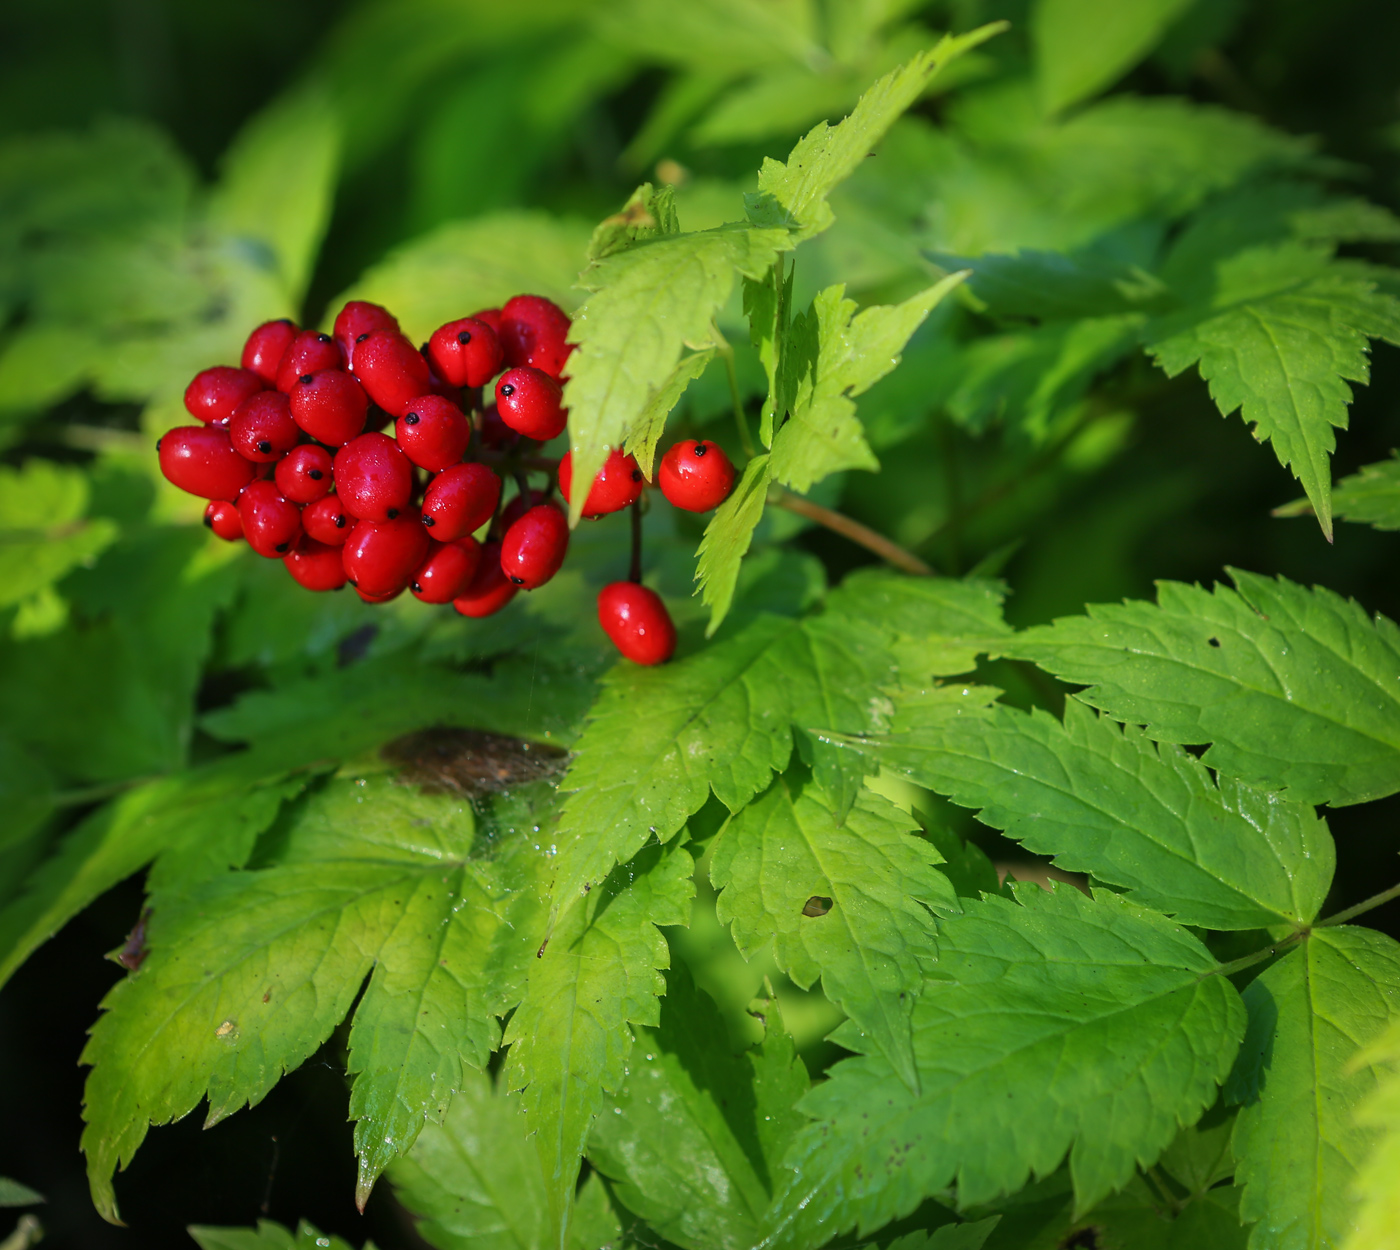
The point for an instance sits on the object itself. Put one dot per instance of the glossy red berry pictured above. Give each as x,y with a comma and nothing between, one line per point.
459,500
222,517
356,322
304,474
534,547
447,571
696,476
492,317
637,622
533,332
373,478
490,589
618,485
215,393
519,506
262,429
330,406
271,522
200,459
434,433
315,565
392,595
392,371
465,352
531,403
381,558
266,346
309,352
327,521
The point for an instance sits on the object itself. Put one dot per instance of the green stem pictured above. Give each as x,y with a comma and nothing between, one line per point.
726,352
1364,906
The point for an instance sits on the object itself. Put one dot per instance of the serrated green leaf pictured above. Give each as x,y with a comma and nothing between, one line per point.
32,556
651,424
1370,496
648,214
1300,1075
726,541
1281,339
972,1236
1378,1216
1109,802
1200,1157
1062,1024
793,194
834,354
683,1138
268,1235
474,1181
646,305
274,198
1052,285
871,935
1082,46
570,1037
1293,688
248,974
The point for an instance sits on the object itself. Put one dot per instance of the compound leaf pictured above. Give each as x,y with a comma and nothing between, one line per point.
1293,688
1059,1024
847,902
1109,802
1300,1075
570,1037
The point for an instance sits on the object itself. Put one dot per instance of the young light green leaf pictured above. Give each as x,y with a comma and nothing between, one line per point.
1109,802
850,903
683,1137
1292,687
647,304
274,199
648,214
1082,46
249,973
1371,496
727,538
794,194
570,1037
1280,341
1300,1075
268,1235
646,433
1378,1220
834,354
474,1181
43,533
1062,1024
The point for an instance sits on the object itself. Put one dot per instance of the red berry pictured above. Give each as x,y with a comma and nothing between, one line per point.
327,522
356,322
381,558
534,547
465,352
637,622
222,517
304,474
618,484
391,370
373,478
266,346
262,429
393,594
492,317
200,459
315,565
434,434
447,571
519,506
494,432
309,352
330,406
215,393
459,500
533,332
530,402
696,476
271,523
490,589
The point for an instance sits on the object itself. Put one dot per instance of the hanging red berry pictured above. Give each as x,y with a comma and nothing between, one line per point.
200,459
271,522
262,429
356,322
266,346
696,476
447,571
490,589
392,371
381,558
330,406
315,565
460,500
303,475
637,622
434,433
534,331
327,521
222,517
373,478
214,394
531,403
534,546
465,352
309,352
618,485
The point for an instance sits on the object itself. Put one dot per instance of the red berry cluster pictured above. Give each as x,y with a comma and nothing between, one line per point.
292,455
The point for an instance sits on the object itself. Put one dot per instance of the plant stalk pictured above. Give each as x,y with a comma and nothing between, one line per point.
888,550
726,352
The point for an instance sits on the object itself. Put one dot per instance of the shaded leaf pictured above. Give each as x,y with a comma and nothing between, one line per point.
726,541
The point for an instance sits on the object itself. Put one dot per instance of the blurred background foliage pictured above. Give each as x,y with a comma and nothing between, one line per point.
172,173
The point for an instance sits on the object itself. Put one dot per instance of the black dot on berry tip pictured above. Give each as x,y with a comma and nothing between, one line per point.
392,513
323,338
428,521
282,547
209,521
360,338
305,378
315,474
340,521
519,581
264,447
464,337
159,441
411,419
700,449
636,475
416,588
508,390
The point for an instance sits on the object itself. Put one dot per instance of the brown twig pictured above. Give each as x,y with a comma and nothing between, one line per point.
889,551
